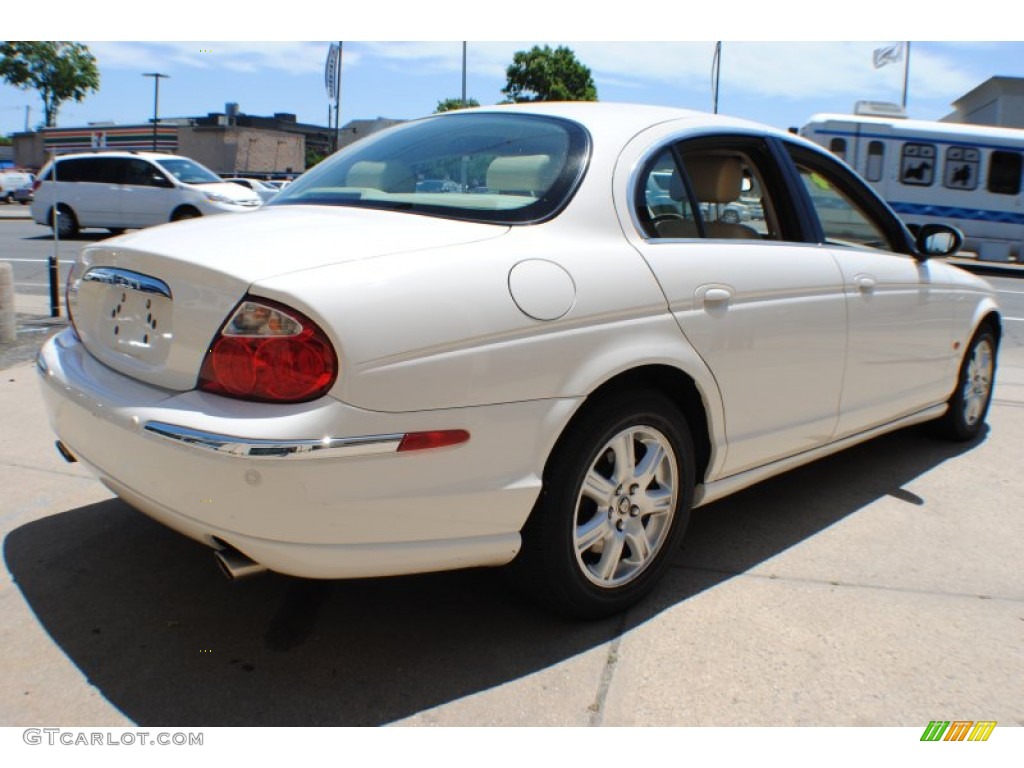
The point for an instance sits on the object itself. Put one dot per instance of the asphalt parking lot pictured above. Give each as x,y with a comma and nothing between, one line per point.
881,586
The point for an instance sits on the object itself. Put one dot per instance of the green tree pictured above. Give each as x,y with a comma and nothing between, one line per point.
447,105
59,70
542,74
312,157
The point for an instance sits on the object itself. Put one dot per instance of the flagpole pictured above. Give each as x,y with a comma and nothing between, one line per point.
716,72
906,76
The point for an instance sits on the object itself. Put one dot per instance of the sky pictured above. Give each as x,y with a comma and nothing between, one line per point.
773,70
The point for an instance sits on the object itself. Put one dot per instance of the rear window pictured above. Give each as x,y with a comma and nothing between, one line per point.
486,167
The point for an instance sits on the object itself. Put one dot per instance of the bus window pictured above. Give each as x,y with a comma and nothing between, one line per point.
876,161
917,164
962,165
1004,173
838,148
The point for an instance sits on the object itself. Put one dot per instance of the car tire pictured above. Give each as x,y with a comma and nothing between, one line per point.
181,214
730,216
969,403
613,508
67,223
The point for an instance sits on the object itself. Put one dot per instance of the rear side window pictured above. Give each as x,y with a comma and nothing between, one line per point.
718,192
1004,172
89,169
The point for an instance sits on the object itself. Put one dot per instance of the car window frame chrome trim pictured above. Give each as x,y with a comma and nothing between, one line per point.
260,449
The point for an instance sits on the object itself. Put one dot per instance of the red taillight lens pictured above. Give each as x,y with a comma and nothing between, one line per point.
36,184
271,353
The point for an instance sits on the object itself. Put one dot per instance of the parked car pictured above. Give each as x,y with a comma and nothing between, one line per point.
264,189
128,190
24,195
363,379
11,182
437,185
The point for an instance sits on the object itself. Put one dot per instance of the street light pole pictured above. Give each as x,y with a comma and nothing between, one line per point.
464,105
156,99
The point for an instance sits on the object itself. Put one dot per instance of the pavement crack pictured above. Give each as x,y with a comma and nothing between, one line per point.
62,473
607,672
849,584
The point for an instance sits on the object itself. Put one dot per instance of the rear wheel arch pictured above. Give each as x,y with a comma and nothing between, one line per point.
674,384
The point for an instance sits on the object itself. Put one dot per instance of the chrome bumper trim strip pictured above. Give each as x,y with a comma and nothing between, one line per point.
251,448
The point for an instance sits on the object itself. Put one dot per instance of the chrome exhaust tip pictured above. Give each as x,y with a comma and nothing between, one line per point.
68,456
234,565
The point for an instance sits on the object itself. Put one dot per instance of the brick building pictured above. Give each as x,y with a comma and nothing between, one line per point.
229,143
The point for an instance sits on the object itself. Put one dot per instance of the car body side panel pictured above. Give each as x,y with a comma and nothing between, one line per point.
901,355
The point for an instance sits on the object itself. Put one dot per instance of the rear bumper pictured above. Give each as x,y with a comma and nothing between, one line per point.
359,510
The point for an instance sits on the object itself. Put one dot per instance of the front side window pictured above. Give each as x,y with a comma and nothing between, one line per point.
1004,173
489,167
139,173
843,222
917,164
188,171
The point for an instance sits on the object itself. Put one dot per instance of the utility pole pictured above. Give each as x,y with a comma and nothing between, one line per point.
156,100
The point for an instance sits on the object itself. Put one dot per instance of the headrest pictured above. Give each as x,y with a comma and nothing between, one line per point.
715,179
387,177
532,174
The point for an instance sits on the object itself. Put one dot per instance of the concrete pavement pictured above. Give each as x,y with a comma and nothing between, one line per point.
881,586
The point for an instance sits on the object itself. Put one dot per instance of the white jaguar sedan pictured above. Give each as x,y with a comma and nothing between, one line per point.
548,367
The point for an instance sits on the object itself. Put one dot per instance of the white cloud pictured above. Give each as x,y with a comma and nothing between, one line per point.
290,57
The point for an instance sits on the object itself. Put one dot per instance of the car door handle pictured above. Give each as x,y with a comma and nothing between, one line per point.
717,295
864,282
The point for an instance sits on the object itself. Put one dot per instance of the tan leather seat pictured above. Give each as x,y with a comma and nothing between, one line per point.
719,179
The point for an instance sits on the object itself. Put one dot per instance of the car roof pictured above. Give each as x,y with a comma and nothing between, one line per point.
597,115
115,153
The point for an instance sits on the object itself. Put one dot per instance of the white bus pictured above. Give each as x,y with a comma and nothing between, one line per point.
965,175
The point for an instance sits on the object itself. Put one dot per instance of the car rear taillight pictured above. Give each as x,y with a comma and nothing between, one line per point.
270,353
36,184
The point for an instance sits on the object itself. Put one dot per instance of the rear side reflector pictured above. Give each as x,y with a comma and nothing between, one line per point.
420,441
270,353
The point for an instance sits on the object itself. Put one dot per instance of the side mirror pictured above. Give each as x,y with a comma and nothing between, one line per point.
938,240
159,180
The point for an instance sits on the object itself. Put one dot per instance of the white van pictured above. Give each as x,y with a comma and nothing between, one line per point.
128,190
11,181
969,176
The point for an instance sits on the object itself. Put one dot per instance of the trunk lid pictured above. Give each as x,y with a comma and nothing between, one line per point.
149,304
